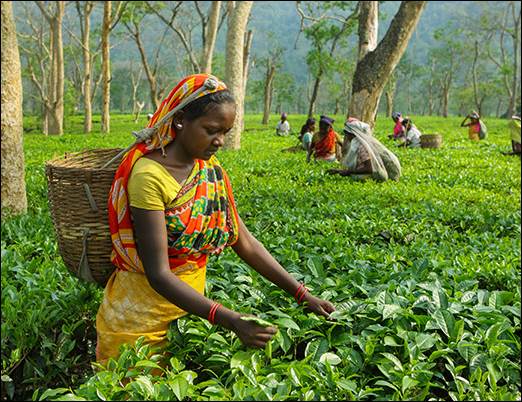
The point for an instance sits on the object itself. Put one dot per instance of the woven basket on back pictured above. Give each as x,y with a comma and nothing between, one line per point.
78,190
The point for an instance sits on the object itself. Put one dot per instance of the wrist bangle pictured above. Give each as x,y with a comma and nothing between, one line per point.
212,312
302,296
299,289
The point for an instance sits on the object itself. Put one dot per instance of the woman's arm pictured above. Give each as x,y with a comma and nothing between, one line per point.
250,250
151,236
310,151
465,125
366,167
342,172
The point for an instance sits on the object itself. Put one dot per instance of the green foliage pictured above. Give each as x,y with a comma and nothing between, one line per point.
425,275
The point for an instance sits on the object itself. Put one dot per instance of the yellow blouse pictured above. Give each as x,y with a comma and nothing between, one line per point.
151,186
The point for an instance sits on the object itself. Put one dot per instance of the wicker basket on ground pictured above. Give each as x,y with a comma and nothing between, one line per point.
431,140
78,190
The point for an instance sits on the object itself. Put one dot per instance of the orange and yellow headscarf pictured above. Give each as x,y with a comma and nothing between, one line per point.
223,221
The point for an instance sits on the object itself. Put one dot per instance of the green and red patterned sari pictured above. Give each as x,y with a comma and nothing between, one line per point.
202,220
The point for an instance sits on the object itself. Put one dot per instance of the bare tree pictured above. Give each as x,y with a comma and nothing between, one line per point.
83,77
209,37
54,16
137,105
504,29
106,68
85,29
237,21
377,62
14,199
430,88
325,31
132,21
478,99
108,24
246,56
269,79
33,47
182,24
272,63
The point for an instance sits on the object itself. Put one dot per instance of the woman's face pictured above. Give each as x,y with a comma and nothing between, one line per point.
323,127
204,136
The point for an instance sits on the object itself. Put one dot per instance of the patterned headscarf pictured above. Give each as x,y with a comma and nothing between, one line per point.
159,133
165,133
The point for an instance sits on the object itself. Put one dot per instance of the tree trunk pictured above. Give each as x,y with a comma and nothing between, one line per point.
106,69
45,120
516,55
374,67
445,100
368,27
315,92
389,103
430,90
234,67
14,199
87,78
270,73
475,85
213,23
150,76
246,57
246,65
56,112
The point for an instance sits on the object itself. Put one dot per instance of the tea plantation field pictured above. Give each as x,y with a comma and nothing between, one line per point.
425,275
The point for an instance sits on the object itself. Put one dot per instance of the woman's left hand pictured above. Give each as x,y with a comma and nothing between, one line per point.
318,306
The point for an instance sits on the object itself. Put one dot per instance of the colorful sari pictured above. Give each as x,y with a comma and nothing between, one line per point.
324,147
201,220
473,131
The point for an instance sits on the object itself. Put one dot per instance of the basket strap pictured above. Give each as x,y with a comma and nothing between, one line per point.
84,272
92,202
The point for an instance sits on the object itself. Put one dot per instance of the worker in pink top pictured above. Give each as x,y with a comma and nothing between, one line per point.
398,129
476,129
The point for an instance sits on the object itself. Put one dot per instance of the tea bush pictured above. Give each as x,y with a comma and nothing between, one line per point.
425,274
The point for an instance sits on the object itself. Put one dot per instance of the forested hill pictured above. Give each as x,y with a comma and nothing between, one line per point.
277,23
444,38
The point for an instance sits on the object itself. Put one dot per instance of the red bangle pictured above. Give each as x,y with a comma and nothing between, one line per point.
296,296
212,312
302,296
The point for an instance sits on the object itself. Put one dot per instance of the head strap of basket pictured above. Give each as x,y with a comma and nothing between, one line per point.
158,134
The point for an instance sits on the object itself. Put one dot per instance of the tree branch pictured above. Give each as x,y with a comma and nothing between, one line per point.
179,32
120,8
41,6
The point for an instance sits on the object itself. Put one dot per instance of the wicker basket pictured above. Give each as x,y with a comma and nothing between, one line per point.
78,190
431,140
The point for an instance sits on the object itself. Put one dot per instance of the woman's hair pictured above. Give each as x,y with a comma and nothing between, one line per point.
307,125
200,106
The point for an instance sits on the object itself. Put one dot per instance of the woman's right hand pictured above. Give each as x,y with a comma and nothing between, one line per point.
252,334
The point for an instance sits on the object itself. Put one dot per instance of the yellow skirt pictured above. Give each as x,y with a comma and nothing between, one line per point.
131,308
474,136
